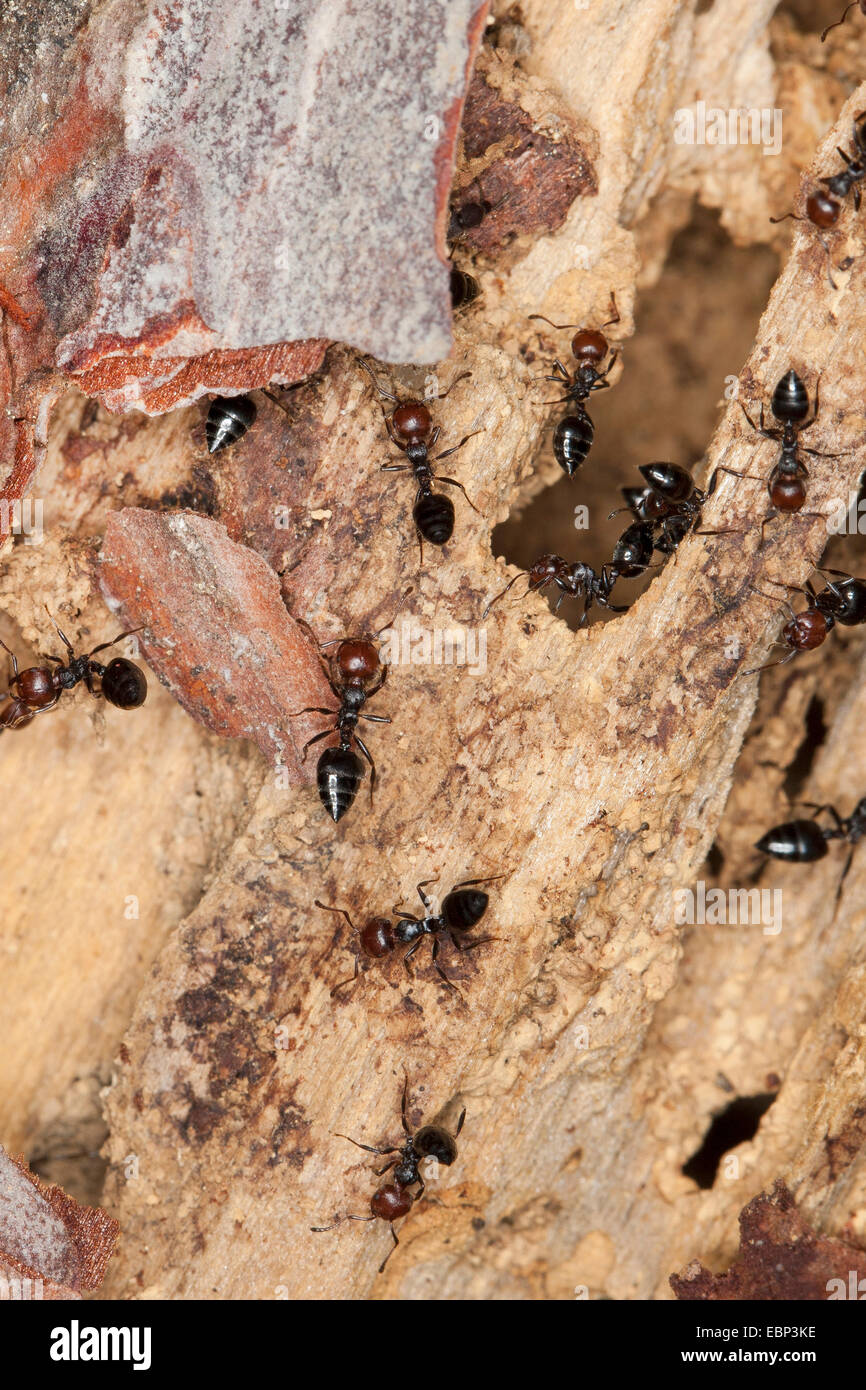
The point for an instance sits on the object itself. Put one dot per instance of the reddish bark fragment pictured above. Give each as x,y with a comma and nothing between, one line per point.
218,633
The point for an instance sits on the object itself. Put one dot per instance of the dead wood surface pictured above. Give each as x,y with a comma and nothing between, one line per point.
593,769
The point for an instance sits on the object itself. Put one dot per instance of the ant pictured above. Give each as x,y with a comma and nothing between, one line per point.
835,25
410,427
786,485
843,603
393,1199
574,435
464,287
671,506
229,418
805,841
649,506
356,674
823,209
38,688
573,581
462,909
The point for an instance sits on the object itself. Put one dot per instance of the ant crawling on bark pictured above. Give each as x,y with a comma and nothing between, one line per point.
805,841
38,688
393,1199
573,581
574,435
843,602
853,6
410,427
229,418
462,909
355,675
823,209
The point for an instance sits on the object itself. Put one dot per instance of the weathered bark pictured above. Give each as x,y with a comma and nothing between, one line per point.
591,769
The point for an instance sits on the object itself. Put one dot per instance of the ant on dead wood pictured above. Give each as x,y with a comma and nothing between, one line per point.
805,841
462,909
823,209
573,581
835,25
355,675
668,508
574,434
843,602
464,287
229,418
38,688
410,427
393,1199
786,485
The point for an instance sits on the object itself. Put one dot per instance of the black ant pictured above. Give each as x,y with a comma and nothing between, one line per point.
843,602
805,841
393,1199
823,209
463,286
573,436
835,25
357,674
786,486
410,427
672,504
573,581
229,418
38,688
462,909
650,507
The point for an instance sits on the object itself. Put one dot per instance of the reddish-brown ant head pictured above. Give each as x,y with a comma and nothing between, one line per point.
36,686
358,662
377,937
589,347
391,1201
412,421
544,570
822,210
806,631
787,494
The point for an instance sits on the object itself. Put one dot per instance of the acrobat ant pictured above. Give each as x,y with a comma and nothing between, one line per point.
634,550
393,1199
823,209
229,418
573,581
805,841
574,434
464,287
410,427
786,486
38,688
462,909
843,602
356,673
835,25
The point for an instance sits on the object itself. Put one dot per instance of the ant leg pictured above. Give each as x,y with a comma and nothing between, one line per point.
312,709
452,482
102,646
448,452
814,806
365,750
15,659
384,628
342,911
438,968
558,326
350,981
838,21
473,882
784,661
376,718
315,739
456,1134
618,316
62,635
394,468
844,874
371,1148
419,888
393,1247
472,945
386,395
404,1104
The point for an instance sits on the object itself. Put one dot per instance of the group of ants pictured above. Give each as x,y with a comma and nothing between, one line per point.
666,509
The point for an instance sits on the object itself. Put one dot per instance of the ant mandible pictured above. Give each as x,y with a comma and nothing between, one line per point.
393,1199
573,581
38,689
410,427
786,486
355,675
853,6
574,435
462,909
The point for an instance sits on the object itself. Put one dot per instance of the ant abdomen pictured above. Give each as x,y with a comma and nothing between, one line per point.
391,1201
339,774
434,517
787,494
377,938
436,1143
124,684
790,400
800,841
572,441
228,419
464,908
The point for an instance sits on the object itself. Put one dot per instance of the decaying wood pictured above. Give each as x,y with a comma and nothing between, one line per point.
592,769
